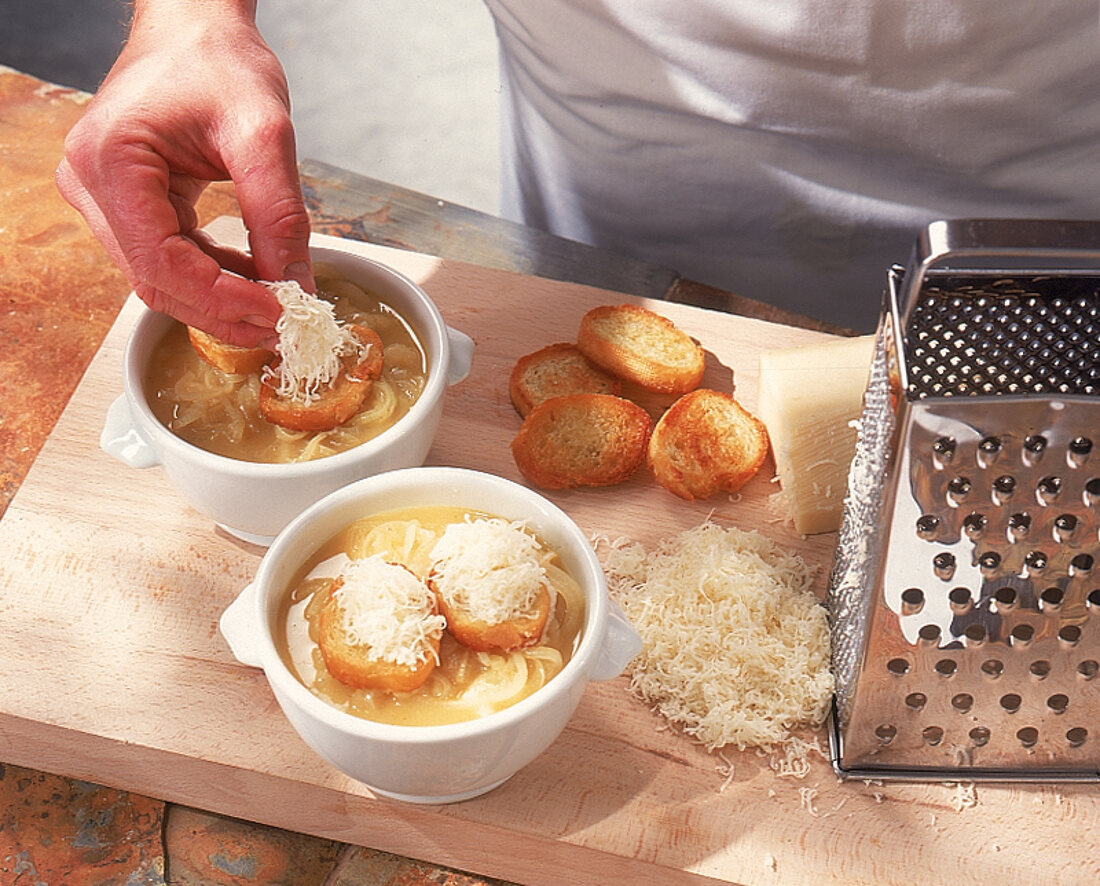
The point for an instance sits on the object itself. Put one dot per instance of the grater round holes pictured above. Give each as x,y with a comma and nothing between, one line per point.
912,601
1077,736
989,563
1034,447
960,600
1002,489
1028,736
932,735
958,488
993,668
886,733
943,451
1065,527
1048,489
944,565
962,702
1005,598
1093,599
1058,703
976,634
1019,526
989,449
1051,599
1040,669
974,524
1011,702
1078,451
916,701
1021,635
1036,561
929,634
928,527
1081,564
980,736
1088,669
899,667
1070,635
1092,492
946,667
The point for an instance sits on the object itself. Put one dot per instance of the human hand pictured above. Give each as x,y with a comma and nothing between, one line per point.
192,99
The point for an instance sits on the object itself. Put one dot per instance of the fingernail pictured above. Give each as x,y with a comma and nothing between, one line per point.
259,320
300,272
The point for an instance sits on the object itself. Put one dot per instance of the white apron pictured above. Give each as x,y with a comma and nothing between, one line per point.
790,150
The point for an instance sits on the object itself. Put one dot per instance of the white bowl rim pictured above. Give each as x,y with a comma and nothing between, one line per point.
407,424
592,640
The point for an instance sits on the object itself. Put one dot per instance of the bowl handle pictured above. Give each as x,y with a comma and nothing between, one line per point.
462,355
236,626
621,643
122,439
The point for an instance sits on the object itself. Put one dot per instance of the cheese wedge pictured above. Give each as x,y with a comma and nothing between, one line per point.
810,398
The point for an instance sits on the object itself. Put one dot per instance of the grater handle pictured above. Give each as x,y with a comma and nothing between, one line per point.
1016,240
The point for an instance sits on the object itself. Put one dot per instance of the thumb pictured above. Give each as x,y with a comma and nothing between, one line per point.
273,209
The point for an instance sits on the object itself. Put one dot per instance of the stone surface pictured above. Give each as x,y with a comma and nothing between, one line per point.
57,830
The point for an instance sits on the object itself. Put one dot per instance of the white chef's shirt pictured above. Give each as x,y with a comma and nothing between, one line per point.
790,150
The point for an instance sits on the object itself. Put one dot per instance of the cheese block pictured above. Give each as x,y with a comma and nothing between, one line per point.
810,398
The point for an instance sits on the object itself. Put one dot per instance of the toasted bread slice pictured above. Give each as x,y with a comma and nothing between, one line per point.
582,440
555,371
706,443
355,664
229,358
643,347
483,636
336,405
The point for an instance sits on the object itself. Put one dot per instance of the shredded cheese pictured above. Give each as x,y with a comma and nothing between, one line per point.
312,342
735,646
489,569
389,610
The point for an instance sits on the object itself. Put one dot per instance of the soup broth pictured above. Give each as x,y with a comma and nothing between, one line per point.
220,412
466,684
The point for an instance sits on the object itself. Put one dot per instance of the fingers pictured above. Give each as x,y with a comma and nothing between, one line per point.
270,197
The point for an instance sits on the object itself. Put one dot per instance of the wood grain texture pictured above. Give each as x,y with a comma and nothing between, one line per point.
110,591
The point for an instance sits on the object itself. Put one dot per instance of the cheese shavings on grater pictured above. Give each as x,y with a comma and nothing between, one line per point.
965,597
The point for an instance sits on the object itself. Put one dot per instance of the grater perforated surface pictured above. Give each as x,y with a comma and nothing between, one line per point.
965,599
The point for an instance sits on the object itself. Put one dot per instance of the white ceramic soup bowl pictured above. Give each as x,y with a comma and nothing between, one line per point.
430,764
255,501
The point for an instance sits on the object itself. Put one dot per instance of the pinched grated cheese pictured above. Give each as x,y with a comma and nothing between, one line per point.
312,342
389,610
735,646
489,569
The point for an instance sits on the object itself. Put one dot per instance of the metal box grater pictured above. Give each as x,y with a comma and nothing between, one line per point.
965,598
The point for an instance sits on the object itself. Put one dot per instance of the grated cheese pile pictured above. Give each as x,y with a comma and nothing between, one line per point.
312,342
489,569
735,646
388,609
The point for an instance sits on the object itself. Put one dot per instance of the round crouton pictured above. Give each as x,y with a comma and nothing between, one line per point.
706,443
643,347
555,371
225,357
582,440
343,398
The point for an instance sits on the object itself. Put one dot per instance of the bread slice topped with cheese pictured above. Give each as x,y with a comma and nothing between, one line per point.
641,346
582,440
333,403
324,369
490,585
225,357
706,443
555,371
380,627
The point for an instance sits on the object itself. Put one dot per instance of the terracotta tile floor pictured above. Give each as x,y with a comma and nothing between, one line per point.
56,830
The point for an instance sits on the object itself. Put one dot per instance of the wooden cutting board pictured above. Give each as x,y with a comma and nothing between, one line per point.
110,592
